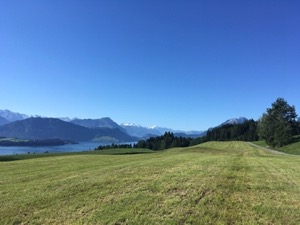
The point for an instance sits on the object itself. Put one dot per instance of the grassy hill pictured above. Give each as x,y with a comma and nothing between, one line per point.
212,183
293,148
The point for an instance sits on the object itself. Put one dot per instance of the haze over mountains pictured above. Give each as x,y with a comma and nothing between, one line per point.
105,129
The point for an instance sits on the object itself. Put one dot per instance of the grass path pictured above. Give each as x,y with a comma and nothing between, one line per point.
267,149
213,183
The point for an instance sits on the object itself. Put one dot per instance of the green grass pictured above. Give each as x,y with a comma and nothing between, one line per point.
293,148
212,183
261,143
117,151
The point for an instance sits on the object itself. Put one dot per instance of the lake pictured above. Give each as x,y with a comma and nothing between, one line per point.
82,146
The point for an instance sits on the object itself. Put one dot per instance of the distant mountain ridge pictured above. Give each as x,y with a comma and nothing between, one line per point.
128,130
139,131
12,116
94,123
145,132
233,121
105,122
52,128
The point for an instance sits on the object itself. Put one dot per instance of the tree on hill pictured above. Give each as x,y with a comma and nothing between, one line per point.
278,125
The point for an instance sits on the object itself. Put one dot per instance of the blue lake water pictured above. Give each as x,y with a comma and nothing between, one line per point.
82,146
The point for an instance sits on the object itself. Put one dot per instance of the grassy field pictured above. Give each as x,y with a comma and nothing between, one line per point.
118,151
213,183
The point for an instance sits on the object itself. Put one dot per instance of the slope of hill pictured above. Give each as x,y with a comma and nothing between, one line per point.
293,148
3,121
45,128
51,128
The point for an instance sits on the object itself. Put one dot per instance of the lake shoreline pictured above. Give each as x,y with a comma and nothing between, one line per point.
79,147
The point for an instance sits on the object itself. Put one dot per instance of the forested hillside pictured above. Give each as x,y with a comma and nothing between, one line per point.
246,131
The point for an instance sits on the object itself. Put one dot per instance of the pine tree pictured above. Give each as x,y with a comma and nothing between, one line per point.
277,125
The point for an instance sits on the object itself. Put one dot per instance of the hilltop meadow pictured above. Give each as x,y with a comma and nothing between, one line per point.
211,183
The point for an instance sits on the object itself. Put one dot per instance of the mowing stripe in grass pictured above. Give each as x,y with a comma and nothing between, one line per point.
213,183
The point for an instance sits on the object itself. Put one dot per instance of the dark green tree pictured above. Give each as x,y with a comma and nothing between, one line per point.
278,124
168,140
246,131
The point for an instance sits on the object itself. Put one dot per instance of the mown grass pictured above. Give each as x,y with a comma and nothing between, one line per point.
261,144
213,183
293,148
117,151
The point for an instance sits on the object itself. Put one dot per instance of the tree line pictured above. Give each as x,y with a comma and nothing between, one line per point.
278,126
246,131
168,140
114,146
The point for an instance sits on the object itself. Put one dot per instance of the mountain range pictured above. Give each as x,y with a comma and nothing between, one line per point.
145,132
104,129
52,128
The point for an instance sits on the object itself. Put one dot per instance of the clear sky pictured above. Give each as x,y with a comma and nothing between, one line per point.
186,65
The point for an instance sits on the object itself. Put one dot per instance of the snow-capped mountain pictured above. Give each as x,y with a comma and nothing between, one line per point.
139,131
66,119
143,132
239,120
12,116
231,121
132,129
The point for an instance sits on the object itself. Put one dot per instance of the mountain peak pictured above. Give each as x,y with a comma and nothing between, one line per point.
94,123
235,121
130,125
12,116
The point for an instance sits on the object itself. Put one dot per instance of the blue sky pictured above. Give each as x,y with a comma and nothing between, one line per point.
182,64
